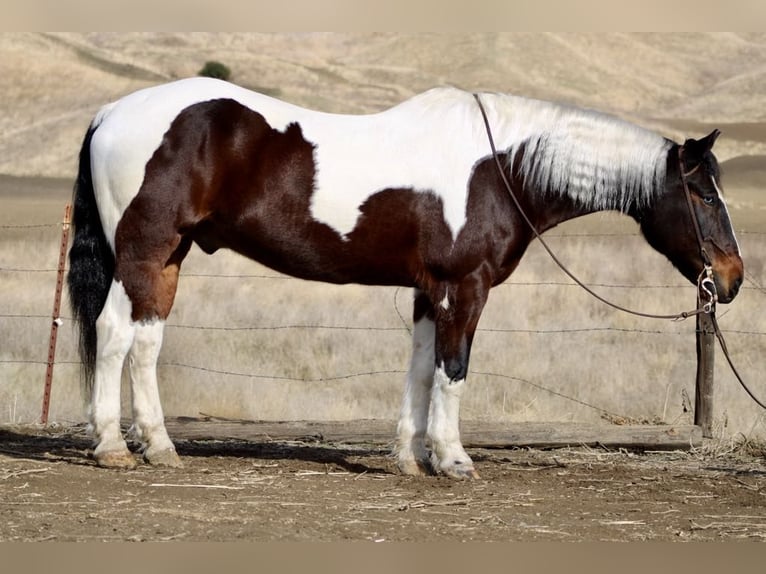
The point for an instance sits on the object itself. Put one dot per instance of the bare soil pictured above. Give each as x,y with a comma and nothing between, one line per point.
229,490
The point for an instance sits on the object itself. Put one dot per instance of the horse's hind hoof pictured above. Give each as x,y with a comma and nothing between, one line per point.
415,468
167,457
115,459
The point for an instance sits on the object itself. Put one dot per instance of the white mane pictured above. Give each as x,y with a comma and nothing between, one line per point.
599,161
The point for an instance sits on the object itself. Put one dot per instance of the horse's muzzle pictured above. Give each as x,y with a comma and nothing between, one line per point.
727,295
729,275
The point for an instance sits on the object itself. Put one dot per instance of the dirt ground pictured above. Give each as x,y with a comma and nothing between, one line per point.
235,490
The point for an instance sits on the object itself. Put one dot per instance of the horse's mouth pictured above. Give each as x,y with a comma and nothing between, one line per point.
727,295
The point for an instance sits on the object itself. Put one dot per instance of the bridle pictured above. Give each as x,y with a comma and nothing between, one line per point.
705,283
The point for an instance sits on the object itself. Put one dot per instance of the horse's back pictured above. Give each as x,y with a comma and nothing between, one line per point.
419,145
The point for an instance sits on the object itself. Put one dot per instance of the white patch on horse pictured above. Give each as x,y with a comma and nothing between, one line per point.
445,302
726,208
599,161
424,144
717,189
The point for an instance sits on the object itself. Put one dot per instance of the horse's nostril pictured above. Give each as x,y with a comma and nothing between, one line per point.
735,286
729,295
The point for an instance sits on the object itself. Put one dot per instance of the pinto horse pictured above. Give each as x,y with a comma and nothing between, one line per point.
410,196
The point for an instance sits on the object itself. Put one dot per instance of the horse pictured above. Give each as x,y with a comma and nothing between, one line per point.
409,196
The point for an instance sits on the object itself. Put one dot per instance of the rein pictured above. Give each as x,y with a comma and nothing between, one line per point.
705,283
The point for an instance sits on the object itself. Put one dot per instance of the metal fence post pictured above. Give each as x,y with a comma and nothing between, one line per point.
56,309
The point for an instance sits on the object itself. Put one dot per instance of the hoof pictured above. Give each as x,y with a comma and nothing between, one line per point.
116,459
166,457
458,469
468,473
415,468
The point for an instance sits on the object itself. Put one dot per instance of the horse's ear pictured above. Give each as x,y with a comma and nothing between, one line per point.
699,147
709,139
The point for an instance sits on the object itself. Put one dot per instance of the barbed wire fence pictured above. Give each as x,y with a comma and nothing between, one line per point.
10,355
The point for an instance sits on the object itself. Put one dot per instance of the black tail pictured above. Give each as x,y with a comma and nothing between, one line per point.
91,263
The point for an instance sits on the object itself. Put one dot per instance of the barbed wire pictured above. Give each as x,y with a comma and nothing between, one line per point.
403,328
348,376
578,234
546,389
405,325
30,225
755,285
27,270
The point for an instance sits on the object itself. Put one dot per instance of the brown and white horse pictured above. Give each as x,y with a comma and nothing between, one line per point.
409,196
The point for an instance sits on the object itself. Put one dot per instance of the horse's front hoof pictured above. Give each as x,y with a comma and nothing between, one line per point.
166,457
458,469
461,473
115,459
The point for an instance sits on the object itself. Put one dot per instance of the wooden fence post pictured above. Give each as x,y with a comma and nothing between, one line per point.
56,308
703,400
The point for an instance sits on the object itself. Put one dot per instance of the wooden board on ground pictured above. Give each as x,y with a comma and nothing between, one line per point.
474,434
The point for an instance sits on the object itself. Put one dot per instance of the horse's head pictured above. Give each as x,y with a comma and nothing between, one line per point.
668,225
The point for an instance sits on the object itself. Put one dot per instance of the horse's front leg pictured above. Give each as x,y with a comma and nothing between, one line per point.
457,316
411,451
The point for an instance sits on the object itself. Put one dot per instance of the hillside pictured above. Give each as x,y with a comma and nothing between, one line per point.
681,84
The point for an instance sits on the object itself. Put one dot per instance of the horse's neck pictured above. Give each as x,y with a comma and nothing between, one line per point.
547,210
568,193
571,161
548,207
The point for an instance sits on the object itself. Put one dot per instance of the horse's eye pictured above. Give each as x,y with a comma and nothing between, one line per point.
708,199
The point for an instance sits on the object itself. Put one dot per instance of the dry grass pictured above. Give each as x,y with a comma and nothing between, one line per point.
261,347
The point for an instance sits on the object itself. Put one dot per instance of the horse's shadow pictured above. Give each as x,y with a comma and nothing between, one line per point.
45,444
75,447
347,458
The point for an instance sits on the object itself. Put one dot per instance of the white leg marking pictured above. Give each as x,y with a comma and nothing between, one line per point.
413,420
448,455
114,331
148,419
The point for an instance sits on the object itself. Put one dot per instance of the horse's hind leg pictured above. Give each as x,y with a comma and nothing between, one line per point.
152,303
148,419
412,454
115,333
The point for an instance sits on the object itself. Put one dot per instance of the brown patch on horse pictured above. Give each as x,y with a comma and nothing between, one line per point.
730,271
